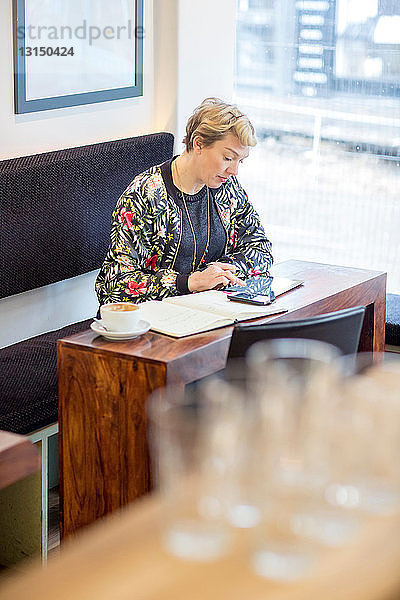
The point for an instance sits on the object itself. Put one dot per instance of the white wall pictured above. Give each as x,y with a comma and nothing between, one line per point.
165,64
194,58
206,54
188,55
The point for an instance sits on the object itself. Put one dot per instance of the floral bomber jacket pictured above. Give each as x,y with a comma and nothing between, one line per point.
145,238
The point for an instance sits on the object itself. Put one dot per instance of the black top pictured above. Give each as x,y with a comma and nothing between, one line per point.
198,212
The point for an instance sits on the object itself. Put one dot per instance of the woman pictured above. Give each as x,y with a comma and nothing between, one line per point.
187,225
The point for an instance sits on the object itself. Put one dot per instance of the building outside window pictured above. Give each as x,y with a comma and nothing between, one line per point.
321,81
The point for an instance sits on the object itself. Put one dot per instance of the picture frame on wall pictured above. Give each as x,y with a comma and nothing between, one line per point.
73,52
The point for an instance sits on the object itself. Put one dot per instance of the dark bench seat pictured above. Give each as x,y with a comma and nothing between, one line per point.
28,381
392,330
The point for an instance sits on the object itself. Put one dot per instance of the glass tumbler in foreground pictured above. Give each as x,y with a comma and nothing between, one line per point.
294,381
191,441
366,422
241,508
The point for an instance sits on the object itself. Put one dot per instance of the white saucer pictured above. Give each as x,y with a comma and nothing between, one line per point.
142,327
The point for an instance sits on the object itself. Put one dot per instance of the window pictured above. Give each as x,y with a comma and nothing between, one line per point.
320,79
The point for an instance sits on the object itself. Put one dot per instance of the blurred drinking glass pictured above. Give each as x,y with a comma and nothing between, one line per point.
365,436
294,381
192,437
241,507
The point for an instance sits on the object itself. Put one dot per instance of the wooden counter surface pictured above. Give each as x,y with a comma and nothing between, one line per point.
18,458
120,558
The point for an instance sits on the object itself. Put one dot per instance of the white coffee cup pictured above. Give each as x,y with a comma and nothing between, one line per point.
120,316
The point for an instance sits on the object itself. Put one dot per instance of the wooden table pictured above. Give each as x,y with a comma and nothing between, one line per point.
121,559
103,387
18,458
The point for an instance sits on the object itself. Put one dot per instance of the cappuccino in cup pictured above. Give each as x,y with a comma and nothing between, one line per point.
120,316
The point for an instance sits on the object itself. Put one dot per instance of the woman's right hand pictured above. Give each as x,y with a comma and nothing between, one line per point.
216,275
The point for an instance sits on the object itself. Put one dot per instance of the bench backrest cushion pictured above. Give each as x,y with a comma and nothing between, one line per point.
55,208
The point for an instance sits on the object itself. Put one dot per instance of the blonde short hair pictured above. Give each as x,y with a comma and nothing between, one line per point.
213,119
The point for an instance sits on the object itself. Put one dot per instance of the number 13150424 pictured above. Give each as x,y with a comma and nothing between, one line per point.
46,51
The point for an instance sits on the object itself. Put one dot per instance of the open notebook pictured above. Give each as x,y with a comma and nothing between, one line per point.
179,316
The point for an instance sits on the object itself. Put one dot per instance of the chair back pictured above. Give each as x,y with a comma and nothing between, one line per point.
341,328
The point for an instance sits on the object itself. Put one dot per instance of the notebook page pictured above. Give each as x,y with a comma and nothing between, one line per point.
179,321
217,303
